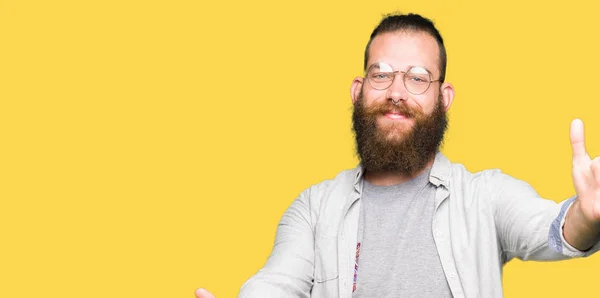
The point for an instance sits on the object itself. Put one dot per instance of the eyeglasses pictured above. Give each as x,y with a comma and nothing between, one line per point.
417,79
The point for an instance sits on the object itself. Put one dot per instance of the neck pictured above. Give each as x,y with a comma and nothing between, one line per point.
392,178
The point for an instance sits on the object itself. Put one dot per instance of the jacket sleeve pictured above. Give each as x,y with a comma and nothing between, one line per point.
557,238
289,269
529,227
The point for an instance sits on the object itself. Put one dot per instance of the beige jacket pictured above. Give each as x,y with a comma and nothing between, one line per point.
481,221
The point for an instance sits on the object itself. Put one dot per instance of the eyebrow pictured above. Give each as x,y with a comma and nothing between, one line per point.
376,64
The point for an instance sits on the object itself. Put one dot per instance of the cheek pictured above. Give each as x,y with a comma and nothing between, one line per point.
373,95
425,103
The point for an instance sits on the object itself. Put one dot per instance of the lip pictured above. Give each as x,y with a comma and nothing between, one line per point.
395,116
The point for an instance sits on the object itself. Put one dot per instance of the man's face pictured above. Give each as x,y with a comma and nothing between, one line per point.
402,50
397,131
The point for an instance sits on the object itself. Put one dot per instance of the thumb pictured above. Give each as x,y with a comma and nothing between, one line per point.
202,293
577,139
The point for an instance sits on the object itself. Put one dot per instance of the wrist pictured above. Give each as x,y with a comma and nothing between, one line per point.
584,219
578,230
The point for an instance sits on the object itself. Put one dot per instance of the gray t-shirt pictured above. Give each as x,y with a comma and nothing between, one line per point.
396,253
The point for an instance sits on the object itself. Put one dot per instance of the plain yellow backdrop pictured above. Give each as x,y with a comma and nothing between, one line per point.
150,147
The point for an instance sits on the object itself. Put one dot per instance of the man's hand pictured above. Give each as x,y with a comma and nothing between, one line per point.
586,175
582,227
202,293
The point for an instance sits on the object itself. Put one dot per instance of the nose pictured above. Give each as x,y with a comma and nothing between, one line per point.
397,91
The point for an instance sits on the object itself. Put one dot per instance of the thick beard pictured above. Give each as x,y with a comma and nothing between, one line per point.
385,149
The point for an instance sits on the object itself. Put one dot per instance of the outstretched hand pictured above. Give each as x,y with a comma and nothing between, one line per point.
586,175
202,293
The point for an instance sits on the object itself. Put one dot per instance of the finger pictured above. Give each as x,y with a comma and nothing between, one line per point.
595,166
202,293
577,139
596,170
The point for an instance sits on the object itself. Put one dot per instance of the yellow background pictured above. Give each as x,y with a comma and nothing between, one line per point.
150,147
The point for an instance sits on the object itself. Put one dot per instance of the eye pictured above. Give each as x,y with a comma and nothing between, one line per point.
381,75
417,78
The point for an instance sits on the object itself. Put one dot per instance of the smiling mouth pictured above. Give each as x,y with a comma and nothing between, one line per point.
395,116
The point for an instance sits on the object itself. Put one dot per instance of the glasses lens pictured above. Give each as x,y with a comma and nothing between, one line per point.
380,75
417,80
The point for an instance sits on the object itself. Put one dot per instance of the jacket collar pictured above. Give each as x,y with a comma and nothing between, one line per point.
439,175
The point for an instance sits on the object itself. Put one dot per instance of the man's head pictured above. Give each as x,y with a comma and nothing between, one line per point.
409,23
400,105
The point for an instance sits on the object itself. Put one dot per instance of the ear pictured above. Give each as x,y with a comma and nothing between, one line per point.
447,95
356,88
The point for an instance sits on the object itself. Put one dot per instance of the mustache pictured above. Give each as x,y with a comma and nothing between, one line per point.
378,108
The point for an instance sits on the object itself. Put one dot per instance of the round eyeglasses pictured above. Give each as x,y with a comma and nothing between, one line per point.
416,79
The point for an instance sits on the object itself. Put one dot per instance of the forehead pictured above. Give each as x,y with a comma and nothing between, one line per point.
403,49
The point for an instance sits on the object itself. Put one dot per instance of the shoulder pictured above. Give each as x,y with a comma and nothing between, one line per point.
329,196
335,189
490,181
344,179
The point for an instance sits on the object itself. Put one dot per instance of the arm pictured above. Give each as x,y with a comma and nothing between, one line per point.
290,267
533,228
525,223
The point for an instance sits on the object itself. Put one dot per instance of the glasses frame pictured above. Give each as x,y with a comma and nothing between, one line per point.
394,73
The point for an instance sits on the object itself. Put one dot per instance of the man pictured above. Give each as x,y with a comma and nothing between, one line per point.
407,222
